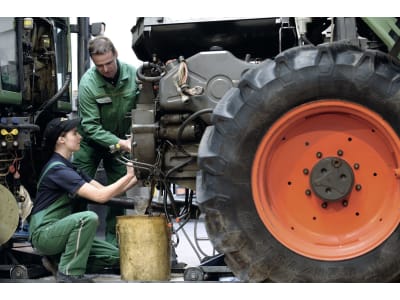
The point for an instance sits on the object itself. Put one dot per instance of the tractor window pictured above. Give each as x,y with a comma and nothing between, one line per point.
62,52
8,55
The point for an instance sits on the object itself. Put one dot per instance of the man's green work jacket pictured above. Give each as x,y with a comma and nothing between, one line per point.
104,108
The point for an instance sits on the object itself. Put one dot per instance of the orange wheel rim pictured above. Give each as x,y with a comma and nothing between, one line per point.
325,180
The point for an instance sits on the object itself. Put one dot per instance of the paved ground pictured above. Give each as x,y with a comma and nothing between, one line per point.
193,248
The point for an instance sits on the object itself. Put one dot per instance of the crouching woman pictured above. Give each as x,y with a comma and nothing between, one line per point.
54,229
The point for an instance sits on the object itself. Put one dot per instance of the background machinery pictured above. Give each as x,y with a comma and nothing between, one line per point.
287,130
35,87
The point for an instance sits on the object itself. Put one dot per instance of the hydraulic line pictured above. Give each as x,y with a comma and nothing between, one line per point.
53,99
184,217
142,77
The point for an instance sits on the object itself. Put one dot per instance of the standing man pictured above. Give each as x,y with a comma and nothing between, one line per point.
107,94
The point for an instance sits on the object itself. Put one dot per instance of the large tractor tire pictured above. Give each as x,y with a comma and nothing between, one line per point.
299,172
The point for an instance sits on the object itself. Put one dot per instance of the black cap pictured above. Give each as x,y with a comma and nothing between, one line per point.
57,126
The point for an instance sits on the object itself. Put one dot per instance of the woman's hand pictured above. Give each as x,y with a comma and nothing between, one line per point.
130,170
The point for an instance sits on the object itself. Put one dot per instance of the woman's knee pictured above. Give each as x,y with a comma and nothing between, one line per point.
88,217
92,217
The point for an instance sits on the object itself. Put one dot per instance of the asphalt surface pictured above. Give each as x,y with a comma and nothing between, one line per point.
192,249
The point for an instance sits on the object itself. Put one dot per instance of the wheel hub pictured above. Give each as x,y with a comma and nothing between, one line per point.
332,179
322,201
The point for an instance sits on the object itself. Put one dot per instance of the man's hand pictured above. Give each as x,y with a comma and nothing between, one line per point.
125,145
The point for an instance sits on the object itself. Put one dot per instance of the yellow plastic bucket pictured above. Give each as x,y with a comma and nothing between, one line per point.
144,244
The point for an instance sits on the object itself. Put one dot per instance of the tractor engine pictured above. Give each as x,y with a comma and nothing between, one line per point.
174,108
188,67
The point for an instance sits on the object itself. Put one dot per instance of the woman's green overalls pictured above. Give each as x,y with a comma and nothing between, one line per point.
55,231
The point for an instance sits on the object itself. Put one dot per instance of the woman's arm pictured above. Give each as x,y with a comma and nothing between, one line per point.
97,192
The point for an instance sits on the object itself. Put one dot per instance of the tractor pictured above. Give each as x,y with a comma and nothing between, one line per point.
287,132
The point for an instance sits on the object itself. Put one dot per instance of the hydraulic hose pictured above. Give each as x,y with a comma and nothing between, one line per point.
142,77
53,99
